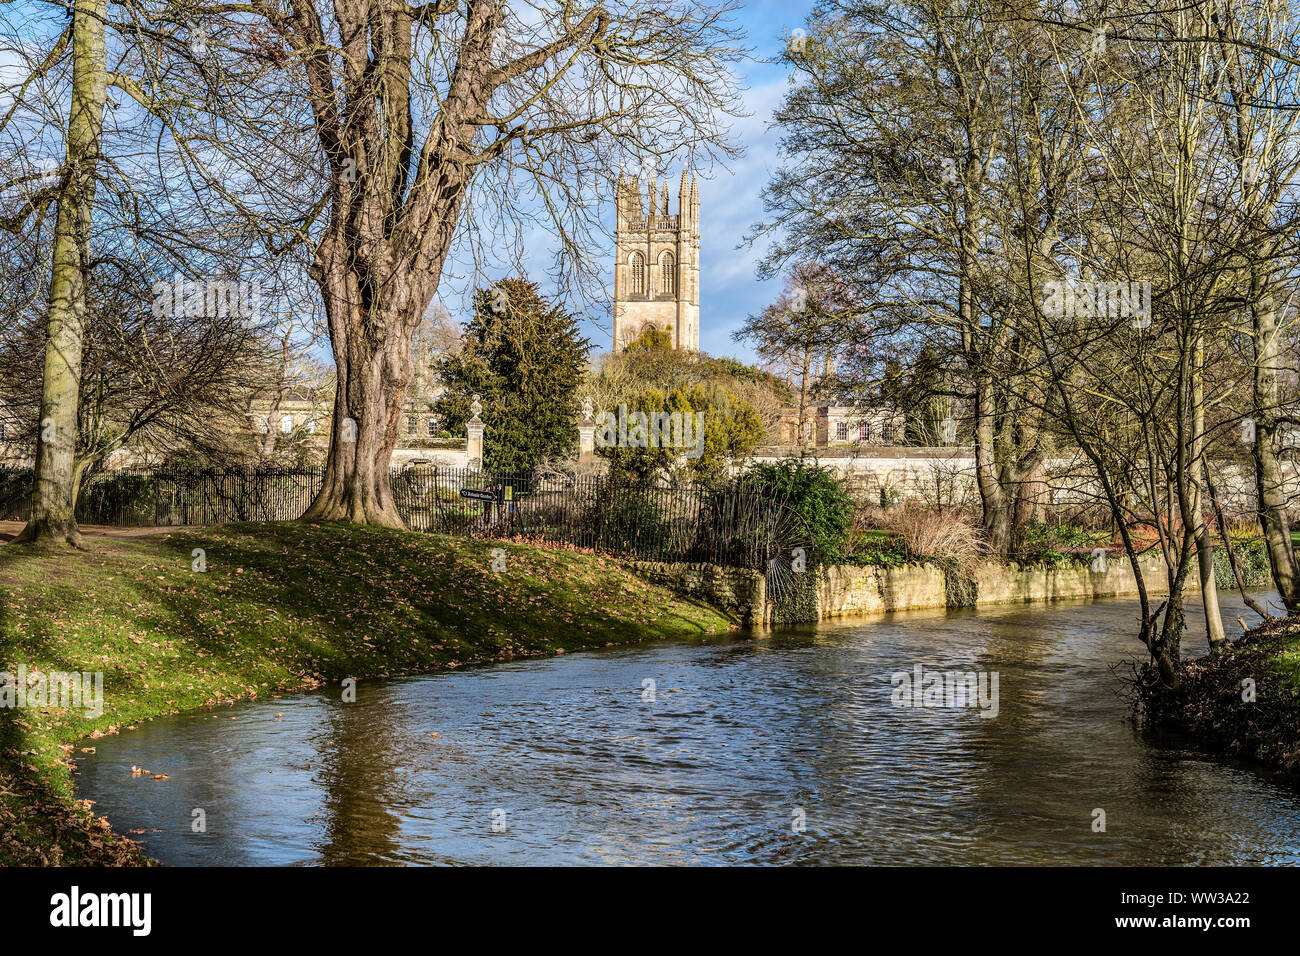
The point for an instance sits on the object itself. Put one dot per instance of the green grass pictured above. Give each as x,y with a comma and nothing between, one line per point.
282,607
1286,662
877,547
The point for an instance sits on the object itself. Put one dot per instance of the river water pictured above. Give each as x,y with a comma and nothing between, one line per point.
777,749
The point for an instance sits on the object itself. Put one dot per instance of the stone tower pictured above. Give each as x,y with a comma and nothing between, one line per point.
657,262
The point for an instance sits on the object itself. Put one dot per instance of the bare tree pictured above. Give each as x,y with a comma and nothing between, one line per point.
894,135
441,122
159,383
54,494
104,188
797,336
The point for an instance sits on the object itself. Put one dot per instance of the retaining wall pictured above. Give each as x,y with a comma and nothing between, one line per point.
846,591
740,592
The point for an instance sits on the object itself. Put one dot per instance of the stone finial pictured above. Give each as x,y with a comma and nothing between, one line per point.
587,409
476,409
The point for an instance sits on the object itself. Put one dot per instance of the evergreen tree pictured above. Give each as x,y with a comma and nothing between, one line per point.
523,357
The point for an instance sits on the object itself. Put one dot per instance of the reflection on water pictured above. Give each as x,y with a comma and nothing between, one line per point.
741,733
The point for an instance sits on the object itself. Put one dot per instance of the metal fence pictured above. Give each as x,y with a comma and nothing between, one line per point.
735,524
197,497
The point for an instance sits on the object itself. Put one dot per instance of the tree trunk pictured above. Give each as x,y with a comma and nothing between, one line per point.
371,334
379,262
1209,587
993,498
1166,646
1031,491
372,375
1191,498
54,488
1269,491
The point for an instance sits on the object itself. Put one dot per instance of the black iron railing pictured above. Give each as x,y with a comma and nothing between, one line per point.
733,524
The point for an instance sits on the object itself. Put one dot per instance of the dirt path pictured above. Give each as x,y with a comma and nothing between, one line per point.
9,530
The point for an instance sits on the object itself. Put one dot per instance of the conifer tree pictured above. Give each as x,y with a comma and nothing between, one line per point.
522,355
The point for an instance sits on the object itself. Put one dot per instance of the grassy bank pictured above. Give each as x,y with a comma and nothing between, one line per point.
281,607
1210,706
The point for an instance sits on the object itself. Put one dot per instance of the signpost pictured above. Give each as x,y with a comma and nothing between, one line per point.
478,494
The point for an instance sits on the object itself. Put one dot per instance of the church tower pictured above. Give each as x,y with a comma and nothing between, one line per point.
657,262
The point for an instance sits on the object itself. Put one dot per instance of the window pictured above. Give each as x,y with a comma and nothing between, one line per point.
638,274
864,432
286,424
431,427
842,431
411,424
666,272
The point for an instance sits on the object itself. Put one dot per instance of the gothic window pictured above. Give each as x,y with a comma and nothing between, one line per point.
638,274
666,272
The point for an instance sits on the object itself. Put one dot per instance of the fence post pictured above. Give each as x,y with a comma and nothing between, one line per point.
474,437
586,434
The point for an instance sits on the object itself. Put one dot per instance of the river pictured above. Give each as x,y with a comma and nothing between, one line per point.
780,749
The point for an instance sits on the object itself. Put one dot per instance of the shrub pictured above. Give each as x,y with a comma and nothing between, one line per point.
872,542
1252,558
624,517
933,535
1042,543
816,495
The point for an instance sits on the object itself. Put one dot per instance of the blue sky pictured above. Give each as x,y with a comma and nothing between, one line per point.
729,201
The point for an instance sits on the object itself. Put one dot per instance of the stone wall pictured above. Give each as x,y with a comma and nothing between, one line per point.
739,592
946,476
444,455
848,591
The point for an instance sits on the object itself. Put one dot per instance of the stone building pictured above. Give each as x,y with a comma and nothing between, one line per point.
657,262
830,426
